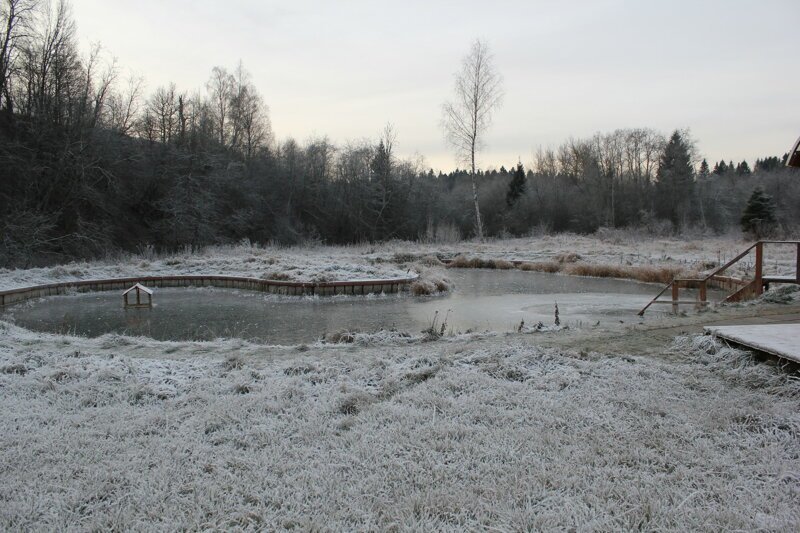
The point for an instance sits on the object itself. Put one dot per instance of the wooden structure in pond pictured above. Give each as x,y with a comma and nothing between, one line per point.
743,289
144,296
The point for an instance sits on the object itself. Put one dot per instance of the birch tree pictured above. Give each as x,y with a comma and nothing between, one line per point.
465,119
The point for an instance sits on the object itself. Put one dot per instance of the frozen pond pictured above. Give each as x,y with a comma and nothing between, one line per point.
482,299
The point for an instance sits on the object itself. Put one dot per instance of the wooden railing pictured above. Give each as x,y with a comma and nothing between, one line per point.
742,289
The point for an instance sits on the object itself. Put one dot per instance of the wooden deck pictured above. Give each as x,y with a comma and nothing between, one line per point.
782,340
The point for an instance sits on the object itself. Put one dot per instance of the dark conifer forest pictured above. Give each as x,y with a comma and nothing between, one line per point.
92,162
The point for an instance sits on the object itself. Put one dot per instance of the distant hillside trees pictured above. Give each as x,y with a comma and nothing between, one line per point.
93,163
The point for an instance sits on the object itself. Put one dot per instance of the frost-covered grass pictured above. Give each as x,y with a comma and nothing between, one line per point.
609,249
610,253
477,434
318,264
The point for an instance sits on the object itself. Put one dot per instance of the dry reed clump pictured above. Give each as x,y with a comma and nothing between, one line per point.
462,261
233,362
430,282
276,276
403,257
567,257
423,287
542,266
647,274
430,260
502,264
442,284
340,337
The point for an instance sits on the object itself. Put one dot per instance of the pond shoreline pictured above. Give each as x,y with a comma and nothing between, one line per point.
288,288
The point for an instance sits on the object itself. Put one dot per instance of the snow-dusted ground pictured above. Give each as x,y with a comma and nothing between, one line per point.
392,432
491,433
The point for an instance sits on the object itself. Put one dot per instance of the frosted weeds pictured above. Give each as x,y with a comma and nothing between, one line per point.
294,264
328,263
468,434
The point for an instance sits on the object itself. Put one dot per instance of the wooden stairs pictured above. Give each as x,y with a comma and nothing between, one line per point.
742,289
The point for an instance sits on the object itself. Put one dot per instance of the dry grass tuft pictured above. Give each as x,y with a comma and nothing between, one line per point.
430,282
477,262
354,403
423,287
341,337
276,276
460,261
14,369
544,266
403,257
569,263
567,257
430,260
234,362
647,274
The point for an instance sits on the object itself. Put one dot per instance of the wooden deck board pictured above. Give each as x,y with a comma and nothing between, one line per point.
782,340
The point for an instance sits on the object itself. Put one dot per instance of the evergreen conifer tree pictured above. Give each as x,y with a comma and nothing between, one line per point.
703,172
743,169
516,187
674,179
759,214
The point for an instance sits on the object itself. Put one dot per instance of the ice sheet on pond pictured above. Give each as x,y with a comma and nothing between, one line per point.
481,300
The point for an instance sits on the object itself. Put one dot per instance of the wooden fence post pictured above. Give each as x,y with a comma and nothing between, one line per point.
759,288
675,297
703,295
797,265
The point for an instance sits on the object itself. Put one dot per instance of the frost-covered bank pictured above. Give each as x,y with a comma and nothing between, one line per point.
314,264
607,250
609,254
131,433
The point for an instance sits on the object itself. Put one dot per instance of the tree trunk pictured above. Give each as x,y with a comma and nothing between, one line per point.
478,223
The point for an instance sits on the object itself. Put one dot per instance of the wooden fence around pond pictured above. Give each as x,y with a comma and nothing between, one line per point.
288,288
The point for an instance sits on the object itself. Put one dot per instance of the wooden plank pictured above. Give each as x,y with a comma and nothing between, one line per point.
782,340
680,302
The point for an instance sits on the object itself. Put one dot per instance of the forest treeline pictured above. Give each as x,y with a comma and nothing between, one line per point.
90,164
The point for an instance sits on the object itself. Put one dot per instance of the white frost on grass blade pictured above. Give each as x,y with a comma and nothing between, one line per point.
432,436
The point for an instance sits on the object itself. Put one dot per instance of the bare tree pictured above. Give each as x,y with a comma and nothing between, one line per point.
249,116
163,106
13,21
221,88
124,106
478,92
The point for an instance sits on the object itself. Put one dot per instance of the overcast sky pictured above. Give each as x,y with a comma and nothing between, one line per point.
725,69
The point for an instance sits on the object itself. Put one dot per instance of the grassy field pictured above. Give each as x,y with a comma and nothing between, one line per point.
469,434
585,430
